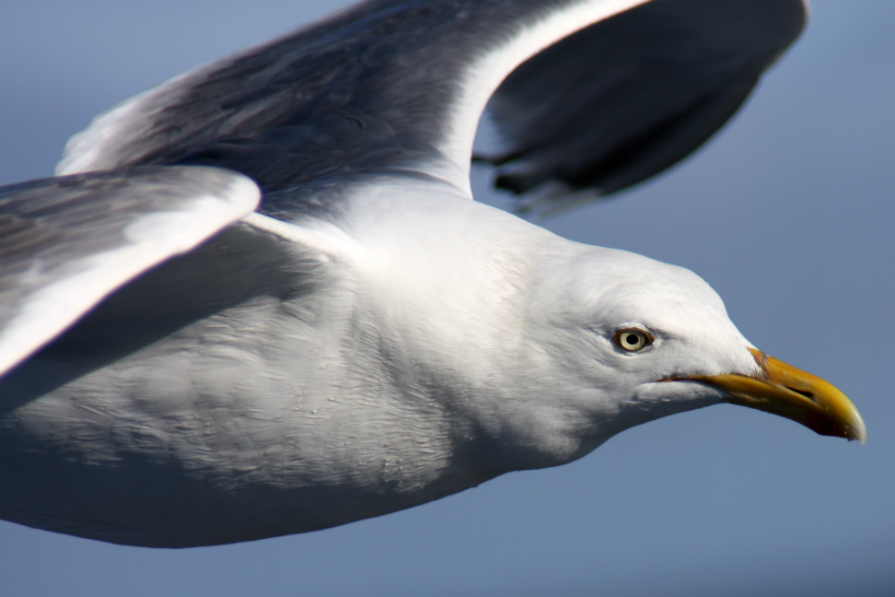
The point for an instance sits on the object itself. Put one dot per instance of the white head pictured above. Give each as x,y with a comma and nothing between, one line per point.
615,339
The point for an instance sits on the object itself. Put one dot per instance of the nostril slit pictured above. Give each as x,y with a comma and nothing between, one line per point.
808,395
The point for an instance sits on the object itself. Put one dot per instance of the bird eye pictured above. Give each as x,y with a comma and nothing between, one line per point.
632,340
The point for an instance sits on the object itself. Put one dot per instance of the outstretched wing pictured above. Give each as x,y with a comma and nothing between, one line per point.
398,87
594,93
67,242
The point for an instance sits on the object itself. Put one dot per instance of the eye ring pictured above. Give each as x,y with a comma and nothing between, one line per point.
632,339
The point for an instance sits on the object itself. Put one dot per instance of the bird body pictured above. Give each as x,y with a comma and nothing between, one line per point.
369,381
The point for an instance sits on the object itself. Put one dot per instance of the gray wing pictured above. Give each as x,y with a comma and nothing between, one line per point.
67,242
389,88
395,87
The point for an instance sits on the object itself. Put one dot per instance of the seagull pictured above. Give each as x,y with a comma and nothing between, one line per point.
260,299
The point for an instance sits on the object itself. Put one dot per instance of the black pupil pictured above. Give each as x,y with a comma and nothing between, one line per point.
632,339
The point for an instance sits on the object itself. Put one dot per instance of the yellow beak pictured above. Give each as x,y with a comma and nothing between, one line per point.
792,393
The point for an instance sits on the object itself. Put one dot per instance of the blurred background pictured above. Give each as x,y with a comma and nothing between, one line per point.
789,213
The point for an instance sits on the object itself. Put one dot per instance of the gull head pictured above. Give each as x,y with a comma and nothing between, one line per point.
627,339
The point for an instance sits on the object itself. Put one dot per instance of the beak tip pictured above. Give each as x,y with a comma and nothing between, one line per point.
857,438
859,432
853,423
840,418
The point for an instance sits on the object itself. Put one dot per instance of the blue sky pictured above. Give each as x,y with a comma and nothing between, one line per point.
788,214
